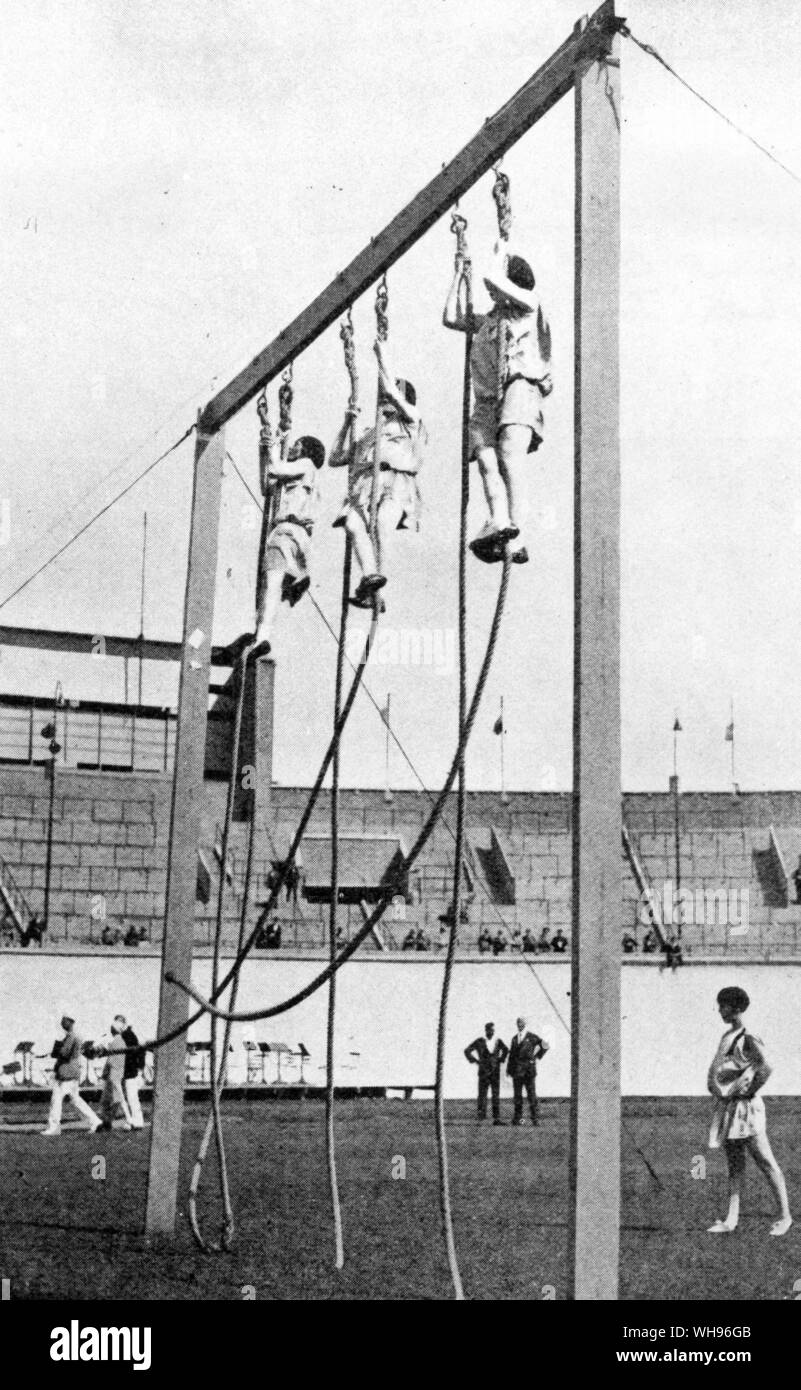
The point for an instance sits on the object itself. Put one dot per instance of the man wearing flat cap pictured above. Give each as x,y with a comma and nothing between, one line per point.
67,1079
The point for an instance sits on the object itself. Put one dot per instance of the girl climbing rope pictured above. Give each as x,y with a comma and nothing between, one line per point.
383,494
510,366
291,495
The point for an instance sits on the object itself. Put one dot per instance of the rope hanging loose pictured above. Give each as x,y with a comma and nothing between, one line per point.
347,336
219,1068
382,333
463,262
256,1015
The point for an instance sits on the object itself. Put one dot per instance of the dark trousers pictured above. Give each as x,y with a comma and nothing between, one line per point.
525,1081
489,1081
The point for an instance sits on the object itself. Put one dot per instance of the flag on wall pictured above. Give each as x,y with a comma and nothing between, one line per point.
497,727
677,727
729,735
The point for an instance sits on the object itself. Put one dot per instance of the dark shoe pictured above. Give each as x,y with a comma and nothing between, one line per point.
499,1122
517,1122
295,590
104,1127
371,582
234,651
260,649
519,557
368,586
487,548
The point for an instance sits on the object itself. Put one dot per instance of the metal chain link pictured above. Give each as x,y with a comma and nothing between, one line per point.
265,439
381,307
285,398
346,334
500,193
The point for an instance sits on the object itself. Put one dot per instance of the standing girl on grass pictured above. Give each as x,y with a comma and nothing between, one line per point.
738,1072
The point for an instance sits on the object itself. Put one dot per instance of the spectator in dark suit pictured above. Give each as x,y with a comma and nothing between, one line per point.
524,1053
488,1054
132,1069
559,942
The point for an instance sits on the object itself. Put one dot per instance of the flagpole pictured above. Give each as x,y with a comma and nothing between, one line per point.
731,710
142,606
674,787
503,769
387,791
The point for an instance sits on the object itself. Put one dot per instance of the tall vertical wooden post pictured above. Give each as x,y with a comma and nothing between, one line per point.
597,906
187,794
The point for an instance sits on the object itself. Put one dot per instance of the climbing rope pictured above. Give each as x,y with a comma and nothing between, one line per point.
219,1071
503,206
330,1142
349,949
462,258
265,455
346,334
154,1044
382,333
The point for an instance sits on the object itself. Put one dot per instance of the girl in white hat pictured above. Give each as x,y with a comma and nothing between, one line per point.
403,439
509,363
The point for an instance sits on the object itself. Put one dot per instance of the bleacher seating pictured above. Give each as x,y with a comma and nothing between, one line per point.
111,830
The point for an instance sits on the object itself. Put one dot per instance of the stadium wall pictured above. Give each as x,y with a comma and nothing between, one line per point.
387,1012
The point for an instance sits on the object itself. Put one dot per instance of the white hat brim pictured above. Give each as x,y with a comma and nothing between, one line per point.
527,299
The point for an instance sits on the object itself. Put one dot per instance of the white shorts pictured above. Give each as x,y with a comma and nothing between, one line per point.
290,545
521,405
400,488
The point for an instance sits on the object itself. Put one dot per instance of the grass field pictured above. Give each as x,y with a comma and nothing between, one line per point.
67,1233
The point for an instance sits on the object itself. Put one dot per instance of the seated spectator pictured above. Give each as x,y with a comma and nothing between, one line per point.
796,877
559,942
410,940
629,943
544,942
529,941
110,936
446,917
498,943
673,954
649,942
34,931
134,935
484,941
423,940
272,936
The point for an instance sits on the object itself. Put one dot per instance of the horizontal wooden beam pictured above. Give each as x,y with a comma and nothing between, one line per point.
499,132
87,644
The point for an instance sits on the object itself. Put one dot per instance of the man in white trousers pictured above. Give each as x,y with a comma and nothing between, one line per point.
67,1079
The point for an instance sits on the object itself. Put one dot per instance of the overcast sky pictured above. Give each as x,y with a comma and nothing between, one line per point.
181,178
